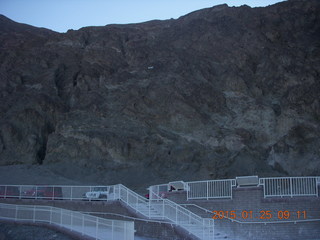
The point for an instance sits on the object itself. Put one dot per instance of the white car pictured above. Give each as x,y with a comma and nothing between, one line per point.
99,193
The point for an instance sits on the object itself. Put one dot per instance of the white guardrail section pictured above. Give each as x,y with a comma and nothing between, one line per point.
210,189
290,186
132,199
202,228
95,227
56,192
158,190
159,208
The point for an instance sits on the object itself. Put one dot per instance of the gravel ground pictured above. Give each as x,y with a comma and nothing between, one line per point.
145,238
26,232
33,174
10,231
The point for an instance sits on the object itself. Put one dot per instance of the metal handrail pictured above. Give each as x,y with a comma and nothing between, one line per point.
290,186
233,183
291,177
133,218
216,180
160,205
92,226
131,194
205,224
69,192
208,189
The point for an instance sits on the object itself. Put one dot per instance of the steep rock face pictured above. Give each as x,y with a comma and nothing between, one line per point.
216,93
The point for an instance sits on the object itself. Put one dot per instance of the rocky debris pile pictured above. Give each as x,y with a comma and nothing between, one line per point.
220,92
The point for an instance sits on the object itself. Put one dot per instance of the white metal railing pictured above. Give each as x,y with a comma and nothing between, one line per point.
210,189
198,226
159,208
95,227
289,186
137,202
57,192
158,190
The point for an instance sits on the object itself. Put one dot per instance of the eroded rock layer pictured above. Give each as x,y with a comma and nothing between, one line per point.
220,92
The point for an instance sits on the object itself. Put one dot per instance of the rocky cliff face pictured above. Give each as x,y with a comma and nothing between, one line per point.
219,92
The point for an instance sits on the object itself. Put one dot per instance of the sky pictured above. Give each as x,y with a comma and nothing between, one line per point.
61,15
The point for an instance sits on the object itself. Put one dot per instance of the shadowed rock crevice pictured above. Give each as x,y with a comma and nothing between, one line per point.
59,78
41,153
2,146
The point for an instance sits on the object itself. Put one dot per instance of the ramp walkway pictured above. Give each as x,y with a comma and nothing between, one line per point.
83,224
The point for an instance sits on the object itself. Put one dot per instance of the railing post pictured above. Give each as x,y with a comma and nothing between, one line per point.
71,216
16,213
212,227
34,214
112,230
82,224
127,196
71,193
317,180
162,209
60,216
203,228
207,190
117,192
291,193
137,202
187,190
97,224
50,215
176,214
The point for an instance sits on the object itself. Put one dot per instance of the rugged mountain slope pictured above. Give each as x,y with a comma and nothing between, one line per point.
216,93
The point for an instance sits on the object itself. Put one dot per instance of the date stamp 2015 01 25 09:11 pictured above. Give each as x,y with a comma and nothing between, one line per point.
262,215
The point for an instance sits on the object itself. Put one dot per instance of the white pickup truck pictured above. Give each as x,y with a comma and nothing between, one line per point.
99,193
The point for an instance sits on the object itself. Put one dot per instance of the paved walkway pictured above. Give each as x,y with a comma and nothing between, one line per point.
249,206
